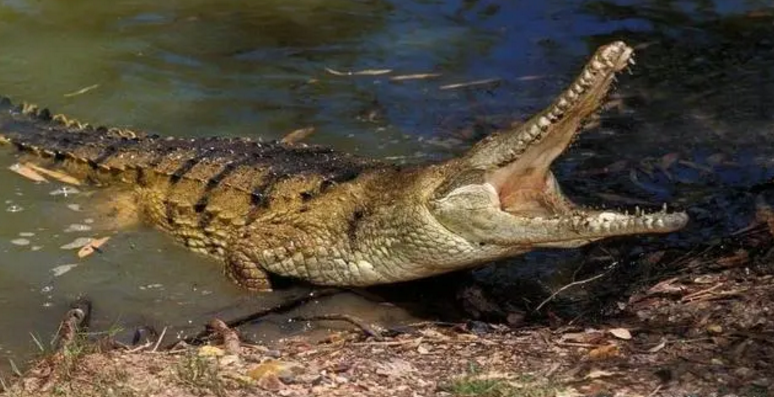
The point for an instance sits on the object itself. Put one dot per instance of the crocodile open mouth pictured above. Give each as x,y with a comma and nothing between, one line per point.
525,185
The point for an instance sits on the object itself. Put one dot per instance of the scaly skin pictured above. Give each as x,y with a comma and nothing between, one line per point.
335,219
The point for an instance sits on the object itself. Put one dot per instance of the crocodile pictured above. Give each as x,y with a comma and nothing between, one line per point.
331,218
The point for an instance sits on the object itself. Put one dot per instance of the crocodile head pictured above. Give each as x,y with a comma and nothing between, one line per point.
503,193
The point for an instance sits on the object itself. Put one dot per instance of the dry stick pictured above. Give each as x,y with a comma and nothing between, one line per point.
283,307
570,285
229,336
367,329
161,338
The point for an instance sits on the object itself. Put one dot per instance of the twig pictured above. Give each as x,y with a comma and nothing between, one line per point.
655,391
367,329
283,307
229,336
570,285
141,347
697,294
161,338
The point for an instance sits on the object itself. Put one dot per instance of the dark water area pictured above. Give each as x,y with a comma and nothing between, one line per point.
691,126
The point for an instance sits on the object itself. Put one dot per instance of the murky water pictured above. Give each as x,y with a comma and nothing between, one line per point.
702,91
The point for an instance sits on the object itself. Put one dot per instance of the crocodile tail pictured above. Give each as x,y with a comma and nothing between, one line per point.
81,147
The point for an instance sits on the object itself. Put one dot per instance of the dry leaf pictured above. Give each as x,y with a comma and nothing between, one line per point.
598,373
591,336
668,160
715,329
658,347
604,352
27,172
468,84
531,77
666,287
81,91
92,246
418,76
367,72
62,269
621,333
60,176
298,135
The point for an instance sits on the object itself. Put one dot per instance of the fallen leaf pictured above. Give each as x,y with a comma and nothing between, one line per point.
271,374
27,172
468,84
77,243
658,347
92,246
668,160
210,351
59,176
366,72
62,269
81,91
715,329
418,76
621,333
667,287
598,373
604,352
590,336
298,135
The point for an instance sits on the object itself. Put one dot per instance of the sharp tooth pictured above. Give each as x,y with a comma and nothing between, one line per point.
659,222
637,211
587,78
562,104
543,122
597,65
534,131
631,61
572,95
664,207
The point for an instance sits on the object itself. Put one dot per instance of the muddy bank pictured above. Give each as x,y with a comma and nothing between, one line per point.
699,324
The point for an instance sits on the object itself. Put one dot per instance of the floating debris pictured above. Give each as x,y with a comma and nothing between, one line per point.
64,191
59,176
81,91
151,286
27,172
74,207
367,72
77,243
14,208
88,221
469,84
26,234
92,247
20,242
75,227
297,136
418,76
62,269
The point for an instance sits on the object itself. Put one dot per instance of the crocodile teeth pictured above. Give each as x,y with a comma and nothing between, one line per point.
543,123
